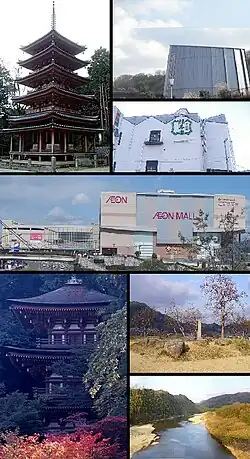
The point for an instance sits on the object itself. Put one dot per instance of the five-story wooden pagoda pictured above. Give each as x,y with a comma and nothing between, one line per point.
57,120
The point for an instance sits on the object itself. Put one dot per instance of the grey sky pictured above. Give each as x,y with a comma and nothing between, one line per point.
22,22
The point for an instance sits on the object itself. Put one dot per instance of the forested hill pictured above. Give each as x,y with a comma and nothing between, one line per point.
148,405
225,399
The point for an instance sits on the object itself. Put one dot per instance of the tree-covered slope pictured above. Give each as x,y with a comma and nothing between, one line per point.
225,399
147,405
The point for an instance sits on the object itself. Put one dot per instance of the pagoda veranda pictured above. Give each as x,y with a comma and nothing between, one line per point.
59,122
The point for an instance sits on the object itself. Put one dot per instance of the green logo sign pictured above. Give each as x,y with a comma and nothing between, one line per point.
181,126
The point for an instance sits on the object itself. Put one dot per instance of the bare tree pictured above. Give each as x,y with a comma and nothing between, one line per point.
223,298
143,319
183,320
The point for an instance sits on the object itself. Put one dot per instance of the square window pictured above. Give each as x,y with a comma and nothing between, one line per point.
155,136
151,166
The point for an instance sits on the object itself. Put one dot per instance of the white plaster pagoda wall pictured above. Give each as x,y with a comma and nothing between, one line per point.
187,143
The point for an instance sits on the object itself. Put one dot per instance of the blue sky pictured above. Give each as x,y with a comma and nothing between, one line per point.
76,199
237,115
158,290
144,29
196,388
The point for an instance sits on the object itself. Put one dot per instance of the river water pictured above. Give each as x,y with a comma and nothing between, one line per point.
183,440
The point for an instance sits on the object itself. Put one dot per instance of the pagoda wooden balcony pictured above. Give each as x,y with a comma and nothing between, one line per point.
43,343
53,108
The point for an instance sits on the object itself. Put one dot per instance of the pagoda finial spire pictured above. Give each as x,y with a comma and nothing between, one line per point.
53,21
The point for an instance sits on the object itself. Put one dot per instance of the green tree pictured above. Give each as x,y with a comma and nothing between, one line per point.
106,378
19,412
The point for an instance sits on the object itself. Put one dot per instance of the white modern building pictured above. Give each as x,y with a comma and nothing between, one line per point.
176,142
16,235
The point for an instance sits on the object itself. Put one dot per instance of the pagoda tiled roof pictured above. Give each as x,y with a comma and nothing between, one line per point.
81,128
54,52
53,114
65,44
51,69
69,294
49,90
25,353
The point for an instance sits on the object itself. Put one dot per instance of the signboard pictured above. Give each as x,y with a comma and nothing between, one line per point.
16,247
117,199
181,126
174,216
117,117
36,236
225,204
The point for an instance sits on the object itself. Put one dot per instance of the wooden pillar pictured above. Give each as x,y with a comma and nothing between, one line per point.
86,143
11,143
94,142
52,140
65,142
20,143
40,141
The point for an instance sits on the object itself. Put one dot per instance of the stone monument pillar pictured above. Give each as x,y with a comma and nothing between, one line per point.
199,329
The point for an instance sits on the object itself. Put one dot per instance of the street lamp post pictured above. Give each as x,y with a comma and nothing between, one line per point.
171,82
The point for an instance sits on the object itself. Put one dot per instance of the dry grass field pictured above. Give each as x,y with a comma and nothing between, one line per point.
148,355
231,426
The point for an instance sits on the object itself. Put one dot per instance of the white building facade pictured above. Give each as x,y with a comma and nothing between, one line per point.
179,142
16,235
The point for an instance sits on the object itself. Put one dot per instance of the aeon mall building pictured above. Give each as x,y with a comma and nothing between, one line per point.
152,222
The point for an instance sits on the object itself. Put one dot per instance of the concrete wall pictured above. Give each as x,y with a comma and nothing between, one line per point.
196,68
121,240
177,152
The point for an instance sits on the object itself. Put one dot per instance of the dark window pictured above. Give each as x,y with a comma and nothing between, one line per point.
114,168
151,166
155,136
109,251
120,138
116,132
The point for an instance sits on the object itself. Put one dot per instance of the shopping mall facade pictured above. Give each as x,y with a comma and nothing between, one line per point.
152,222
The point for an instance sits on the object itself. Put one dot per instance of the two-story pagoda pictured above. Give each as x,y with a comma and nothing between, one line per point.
64,318
59,120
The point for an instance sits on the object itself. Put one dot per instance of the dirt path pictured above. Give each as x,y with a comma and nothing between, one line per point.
147,364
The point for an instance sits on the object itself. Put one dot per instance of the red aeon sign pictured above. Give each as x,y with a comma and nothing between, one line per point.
117,199
36,237
174,216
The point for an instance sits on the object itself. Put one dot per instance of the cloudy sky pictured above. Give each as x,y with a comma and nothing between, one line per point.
144,29
158,290
196,388
23,21
76,199
237,114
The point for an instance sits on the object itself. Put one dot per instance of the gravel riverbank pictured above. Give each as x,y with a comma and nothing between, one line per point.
141,437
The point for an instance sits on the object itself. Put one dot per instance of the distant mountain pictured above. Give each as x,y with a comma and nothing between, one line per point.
162,322
147,405
225,399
